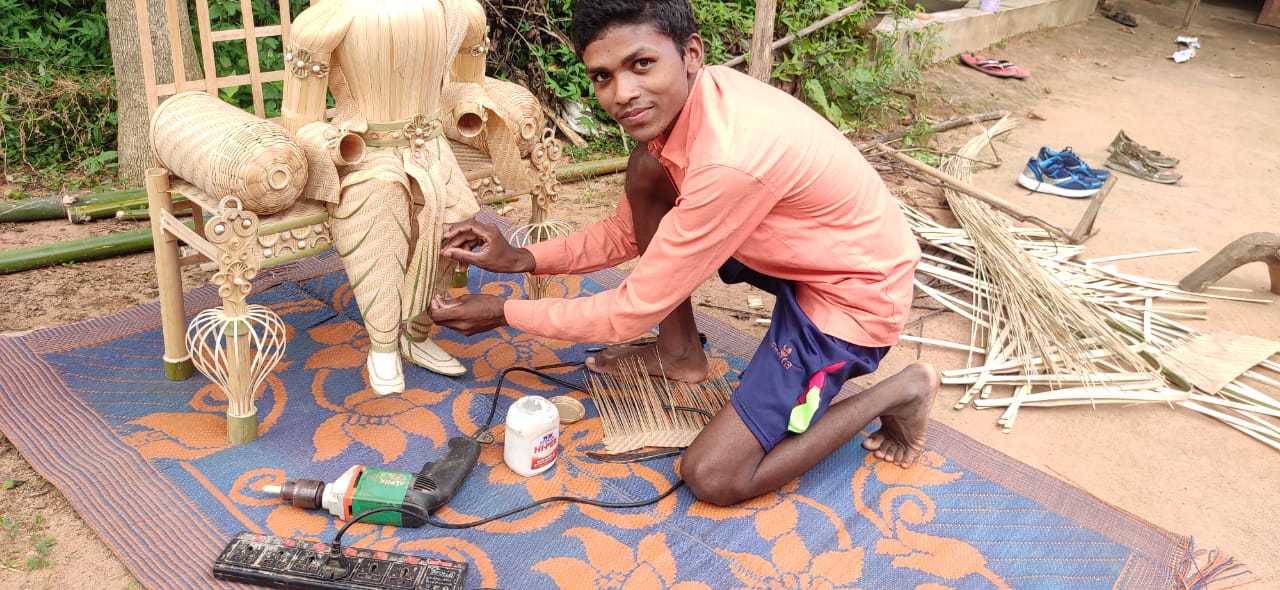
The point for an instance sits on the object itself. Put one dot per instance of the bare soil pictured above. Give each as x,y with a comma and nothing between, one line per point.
1189,474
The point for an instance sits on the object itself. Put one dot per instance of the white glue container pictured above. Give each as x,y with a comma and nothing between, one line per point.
533,435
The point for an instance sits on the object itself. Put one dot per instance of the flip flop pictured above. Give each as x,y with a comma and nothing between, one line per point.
991,67
1122,17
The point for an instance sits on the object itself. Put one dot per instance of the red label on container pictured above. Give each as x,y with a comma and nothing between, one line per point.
546,451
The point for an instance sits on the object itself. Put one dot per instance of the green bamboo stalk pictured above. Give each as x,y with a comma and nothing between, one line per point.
31,209
94,248
84,212
53,208
585,170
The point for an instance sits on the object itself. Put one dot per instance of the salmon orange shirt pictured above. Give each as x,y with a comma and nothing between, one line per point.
762,178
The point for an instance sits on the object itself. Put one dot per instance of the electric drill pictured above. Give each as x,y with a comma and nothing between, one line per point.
363,488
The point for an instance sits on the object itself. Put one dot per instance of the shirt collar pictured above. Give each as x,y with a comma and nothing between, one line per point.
674,146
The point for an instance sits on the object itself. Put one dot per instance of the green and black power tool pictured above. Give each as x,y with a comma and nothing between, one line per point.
363,488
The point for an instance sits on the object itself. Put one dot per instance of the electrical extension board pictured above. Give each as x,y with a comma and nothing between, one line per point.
281,562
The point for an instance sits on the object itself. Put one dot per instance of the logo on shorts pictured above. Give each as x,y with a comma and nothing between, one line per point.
784,354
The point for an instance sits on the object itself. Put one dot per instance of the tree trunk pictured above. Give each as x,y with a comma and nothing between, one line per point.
761,67
133,135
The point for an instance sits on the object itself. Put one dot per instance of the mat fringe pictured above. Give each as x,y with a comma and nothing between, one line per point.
1209,569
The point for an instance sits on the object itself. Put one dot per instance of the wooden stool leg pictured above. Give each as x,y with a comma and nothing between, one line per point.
242,413
1255,247
173,317
233,232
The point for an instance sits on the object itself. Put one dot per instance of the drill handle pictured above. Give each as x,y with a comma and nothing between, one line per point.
438,481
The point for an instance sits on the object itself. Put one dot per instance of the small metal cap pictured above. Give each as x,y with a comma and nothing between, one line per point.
571,410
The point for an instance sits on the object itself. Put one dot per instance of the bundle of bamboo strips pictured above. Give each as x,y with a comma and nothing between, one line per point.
638,410
1051,330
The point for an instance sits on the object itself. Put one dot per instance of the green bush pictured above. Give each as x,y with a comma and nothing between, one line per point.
233,58
59,111
847,71
850,75
56,86
57,33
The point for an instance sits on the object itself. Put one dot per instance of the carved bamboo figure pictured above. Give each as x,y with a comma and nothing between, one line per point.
386,63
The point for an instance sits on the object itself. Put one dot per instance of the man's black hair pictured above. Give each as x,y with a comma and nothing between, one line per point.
591,18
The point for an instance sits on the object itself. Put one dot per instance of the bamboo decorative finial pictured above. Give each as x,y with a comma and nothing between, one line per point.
236,345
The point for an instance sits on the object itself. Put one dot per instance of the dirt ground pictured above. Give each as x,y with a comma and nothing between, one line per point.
1189,474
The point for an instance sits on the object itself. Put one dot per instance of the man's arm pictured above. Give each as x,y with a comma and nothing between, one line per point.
717,212
603,244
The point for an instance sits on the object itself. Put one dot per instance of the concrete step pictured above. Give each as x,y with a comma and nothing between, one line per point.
970,29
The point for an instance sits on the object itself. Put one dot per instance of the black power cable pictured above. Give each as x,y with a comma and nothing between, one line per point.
497,390
336,545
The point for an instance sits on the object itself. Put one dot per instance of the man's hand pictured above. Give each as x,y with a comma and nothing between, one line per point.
468,314
483,246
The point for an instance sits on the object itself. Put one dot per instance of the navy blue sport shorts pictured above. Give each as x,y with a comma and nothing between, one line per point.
797,370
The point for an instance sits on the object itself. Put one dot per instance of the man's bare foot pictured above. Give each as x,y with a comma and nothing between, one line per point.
690,366
902,428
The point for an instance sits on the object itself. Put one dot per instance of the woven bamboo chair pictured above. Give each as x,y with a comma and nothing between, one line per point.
241,242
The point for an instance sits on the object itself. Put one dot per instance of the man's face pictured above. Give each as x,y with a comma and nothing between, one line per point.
640,78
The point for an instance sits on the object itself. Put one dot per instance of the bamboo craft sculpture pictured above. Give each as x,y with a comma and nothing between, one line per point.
1220,375
223,150
496,117
386,63
258,168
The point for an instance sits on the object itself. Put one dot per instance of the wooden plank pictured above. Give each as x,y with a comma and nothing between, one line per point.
285,22
762,40
206,46
238,34
223,82
148,56
175,44
251,47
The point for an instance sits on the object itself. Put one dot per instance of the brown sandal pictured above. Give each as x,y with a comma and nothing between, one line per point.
1148,155
1129,160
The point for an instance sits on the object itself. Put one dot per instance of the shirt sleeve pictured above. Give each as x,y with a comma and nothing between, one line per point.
717,210
603,244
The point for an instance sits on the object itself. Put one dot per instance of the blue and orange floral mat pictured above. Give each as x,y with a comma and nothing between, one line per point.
146,463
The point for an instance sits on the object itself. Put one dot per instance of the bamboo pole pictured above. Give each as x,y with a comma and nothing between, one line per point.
173,317
585,170
940,127
980,194
31,209
134,208
43,208
1186,17
95,248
